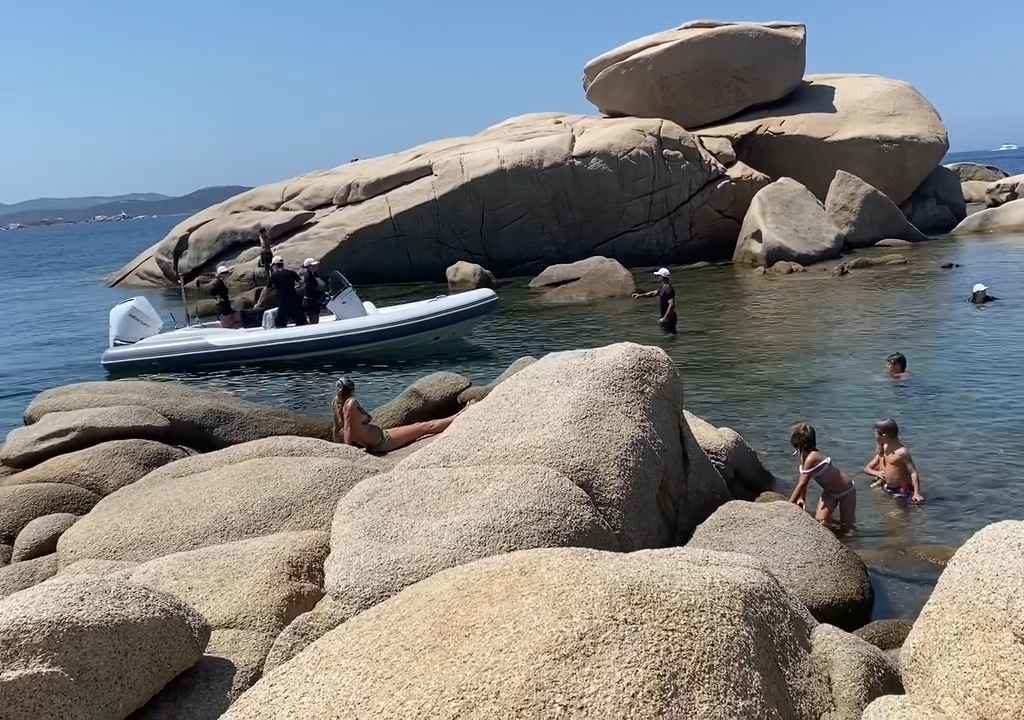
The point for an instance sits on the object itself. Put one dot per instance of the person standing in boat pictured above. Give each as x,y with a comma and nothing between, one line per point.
313,295
285,284
265,262
667,318
228,316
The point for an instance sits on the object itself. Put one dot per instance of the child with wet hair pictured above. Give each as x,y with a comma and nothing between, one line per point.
838,492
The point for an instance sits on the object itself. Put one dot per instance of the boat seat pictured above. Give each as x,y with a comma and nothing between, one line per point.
369,307
269,317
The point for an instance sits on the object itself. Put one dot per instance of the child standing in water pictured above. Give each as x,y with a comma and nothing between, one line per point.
837,491
892,465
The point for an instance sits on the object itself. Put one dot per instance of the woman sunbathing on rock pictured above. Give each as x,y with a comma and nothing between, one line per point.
354,426
837,490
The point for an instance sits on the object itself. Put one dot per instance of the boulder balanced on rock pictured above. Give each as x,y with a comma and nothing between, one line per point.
864,215
699,73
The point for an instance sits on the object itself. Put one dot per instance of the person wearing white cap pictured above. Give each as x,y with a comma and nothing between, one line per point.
313,295
228,316
285,282
666,300
979,294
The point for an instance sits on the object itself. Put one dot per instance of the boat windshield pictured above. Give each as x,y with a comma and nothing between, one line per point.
338,283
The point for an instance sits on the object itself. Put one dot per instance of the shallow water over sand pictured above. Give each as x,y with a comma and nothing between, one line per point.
756,353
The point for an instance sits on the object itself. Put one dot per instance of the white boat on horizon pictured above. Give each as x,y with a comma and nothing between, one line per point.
354,328
1004,148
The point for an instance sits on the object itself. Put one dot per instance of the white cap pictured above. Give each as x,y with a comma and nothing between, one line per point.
309,262
278,260
221,269
979,288
663,273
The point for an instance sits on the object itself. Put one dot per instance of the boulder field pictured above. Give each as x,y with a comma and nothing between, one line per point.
573,545
696,120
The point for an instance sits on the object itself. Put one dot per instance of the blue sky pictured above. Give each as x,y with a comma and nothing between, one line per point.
108,97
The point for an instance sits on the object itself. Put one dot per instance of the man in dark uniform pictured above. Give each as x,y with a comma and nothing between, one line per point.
289,305
666,301
225,313
313,295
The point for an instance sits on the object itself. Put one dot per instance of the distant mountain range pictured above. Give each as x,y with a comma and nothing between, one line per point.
74,209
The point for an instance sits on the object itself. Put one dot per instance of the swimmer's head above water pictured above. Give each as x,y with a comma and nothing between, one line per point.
896,363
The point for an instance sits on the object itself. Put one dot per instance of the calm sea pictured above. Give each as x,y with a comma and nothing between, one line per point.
756,354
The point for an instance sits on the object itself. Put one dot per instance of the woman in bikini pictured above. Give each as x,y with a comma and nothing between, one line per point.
354,426
837,490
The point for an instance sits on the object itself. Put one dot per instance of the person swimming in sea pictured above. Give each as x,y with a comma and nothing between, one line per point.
838,492
354,426
892,466
896,366
980,296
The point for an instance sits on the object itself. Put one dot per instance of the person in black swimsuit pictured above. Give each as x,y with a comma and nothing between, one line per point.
313,295
227,315
666,301
289,305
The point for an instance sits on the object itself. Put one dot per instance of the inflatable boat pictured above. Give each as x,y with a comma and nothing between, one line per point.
354,327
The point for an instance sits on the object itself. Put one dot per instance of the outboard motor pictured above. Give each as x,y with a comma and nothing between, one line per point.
132,320
344,302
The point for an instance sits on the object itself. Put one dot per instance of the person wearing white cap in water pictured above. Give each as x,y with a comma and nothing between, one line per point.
979,294
285,282
228,316
313,295
666,300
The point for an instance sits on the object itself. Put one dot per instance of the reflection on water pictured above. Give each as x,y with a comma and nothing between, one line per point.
756,353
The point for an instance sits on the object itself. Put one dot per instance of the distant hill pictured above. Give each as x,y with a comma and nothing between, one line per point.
138,204
73,203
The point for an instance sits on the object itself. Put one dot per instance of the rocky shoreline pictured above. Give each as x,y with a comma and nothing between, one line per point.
575,543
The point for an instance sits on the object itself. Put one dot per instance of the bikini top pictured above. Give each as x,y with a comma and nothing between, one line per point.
817,469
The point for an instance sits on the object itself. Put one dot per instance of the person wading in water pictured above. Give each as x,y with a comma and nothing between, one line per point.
666,300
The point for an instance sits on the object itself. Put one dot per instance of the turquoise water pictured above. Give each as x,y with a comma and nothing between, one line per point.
756,353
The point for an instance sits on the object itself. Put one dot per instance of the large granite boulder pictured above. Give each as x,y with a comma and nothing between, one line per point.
974,191
826,576
885,634
965,651
1004,191
103,468
157,516
607,419
577,633
881,130
201,419
305,630
531,191
700,72
737,463
864,215
976,172
608,279
27,573
397,529
1005,218
859,672
40,536
786,222
21,504
92,648
468,276
433,396
938,204
57,433
476,393
564,273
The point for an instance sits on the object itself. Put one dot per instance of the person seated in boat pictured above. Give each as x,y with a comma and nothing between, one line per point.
896,366
354,426
228,316
892,466
313,295
979,295
838,492
285,283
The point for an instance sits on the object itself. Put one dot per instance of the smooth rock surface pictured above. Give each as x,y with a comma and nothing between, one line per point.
92,648
26,574
899,707
40,536
531,191
563,273
737,463
976,172
864,215
21,504
563,632
974,191
1004,191
786,222
806,558
158,516
468,276
885,634
101,469
5,554
397,529
881,130
1006,218
201,419
57,433
476,393
432,396
700,72
305,630
599,282
938,204
858,672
